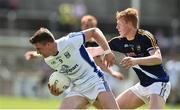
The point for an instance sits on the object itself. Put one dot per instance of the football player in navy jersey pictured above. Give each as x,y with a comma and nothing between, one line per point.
144,56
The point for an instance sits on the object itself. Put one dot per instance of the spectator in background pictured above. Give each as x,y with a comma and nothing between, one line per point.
67,20
79,9
173,68
4,4
13,4
9,4
70,14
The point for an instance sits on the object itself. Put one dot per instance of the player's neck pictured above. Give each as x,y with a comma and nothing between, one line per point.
131,35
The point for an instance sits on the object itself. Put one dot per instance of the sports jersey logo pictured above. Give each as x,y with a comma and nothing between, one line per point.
126,45
67,54
131,46
138,47
65,69
59,59
53,62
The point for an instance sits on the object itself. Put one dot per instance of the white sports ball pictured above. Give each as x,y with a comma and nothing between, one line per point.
62,82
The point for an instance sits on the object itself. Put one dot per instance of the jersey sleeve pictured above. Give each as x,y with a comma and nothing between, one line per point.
77,38
150,42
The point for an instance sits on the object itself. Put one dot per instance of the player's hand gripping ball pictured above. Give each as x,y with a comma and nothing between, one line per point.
60,80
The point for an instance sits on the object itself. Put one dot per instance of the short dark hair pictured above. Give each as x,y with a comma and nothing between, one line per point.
43,35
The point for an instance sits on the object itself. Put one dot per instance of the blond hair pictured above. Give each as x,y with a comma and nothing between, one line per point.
129,15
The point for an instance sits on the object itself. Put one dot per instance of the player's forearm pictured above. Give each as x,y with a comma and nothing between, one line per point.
95,51
100,39
148,61
154,59
99,62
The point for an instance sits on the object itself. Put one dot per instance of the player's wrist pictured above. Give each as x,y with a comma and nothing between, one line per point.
107,52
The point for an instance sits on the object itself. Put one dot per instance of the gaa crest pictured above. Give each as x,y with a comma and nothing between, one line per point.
67,54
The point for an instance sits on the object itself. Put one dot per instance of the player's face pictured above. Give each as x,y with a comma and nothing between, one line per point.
122,27
43,49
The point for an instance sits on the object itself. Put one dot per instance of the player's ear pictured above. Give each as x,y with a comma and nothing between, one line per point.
48,44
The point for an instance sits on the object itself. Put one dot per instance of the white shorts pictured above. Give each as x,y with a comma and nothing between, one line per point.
160,88
92,93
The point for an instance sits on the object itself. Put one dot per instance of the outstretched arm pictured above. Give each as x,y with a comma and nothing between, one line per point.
95,51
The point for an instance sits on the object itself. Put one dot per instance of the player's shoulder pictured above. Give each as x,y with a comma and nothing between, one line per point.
68,36
117,38
145,33
62,39
73,34
146,36
62,42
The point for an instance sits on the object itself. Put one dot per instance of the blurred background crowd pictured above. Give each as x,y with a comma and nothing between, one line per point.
19,19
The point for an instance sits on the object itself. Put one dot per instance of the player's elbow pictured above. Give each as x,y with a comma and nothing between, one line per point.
158,59
96,31
98,34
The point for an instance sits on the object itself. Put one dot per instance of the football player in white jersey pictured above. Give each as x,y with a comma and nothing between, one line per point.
87,21
68,56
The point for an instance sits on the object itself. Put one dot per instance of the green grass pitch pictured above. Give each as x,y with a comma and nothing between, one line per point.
7,102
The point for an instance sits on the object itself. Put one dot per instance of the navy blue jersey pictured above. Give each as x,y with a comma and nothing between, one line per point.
91,44
139,47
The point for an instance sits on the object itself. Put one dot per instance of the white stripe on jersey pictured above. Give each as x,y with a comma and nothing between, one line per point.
145,72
